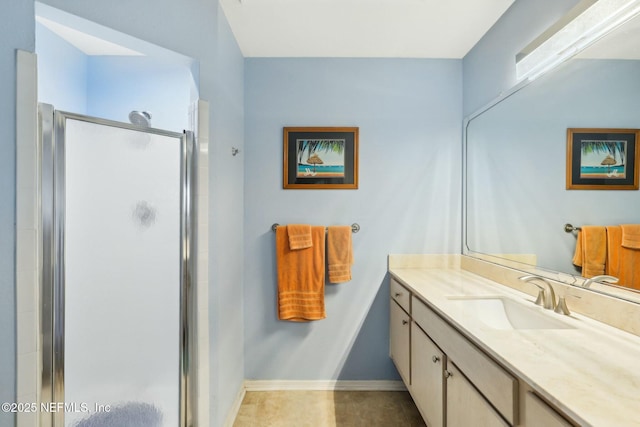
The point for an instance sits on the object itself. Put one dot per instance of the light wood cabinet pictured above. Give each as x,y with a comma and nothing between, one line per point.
452,381
427,377
538,413
496,384
399,337
465,405
401,295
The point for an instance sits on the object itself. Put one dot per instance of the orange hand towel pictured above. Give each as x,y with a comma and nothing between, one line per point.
631,236
594,250
299,236
339,253
577,255
300,277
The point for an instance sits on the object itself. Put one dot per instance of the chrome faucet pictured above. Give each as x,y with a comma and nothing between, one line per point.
602,278
547,300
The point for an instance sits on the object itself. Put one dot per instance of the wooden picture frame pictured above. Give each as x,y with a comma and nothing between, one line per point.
320,158
602,159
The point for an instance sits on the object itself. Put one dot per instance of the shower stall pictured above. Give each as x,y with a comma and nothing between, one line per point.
118,273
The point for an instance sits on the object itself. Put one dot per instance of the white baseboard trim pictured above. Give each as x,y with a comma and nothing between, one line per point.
275,385
235,408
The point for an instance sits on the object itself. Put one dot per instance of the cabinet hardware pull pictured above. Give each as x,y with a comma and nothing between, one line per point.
435,359
404,322
447,374
398,294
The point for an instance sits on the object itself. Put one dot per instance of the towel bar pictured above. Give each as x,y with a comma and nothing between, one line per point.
355,227
568,228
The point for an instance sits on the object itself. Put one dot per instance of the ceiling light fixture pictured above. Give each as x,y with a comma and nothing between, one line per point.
584,24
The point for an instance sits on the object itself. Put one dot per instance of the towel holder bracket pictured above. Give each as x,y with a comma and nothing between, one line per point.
568,228
355,227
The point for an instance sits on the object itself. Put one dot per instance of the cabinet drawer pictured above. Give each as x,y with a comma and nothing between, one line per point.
400,294
496,384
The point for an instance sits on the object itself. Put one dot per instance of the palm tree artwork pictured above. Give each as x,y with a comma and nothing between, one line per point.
326,152
605,153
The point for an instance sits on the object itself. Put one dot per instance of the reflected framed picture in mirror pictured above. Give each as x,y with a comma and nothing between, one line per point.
602,159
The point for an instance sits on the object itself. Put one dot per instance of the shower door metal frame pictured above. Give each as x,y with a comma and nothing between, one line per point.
52,132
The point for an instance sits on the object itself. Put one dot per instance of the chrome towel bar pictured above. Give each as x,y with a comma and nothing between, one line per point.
355,227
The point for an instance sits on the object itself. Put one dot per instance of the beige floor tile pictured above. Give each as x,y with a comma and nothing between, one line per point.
328,409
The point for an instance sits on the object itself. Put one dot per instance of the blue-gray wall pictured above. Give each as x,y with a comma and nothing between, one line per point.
226,207
64,84
110,87
198,30
409,114
118,85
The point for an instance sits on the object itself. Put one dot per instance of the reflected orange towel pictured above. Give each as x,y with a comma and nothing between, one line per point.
631,236
299,236
591,250
300,277
614,239
339,253
627,265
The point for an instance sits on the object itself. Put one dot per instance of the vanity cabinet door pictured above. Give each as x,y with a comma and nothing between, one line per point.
427,377
538,413
493,382
399,341
465,406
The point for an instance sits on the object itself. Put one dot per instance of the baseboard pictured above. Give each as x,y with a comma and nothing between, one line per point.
274,385
235,408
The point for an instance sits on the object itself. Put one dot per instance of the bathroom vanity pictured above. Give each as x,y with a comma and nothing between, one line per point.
472,351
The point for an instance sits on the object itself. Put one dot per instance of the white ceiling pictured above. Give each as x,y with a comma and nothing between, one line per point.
361,28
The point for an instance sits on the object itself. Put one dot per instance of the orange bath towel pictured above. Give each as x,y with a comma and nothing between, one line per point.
300,277
591,250
299,236
339,253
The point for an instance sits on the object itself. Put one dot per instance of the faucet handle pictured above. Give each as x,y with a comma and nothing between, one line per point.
562,308
547,300
604,278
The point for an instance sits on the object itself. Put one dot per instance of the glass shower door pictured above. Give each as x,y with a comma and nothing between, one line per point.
120,290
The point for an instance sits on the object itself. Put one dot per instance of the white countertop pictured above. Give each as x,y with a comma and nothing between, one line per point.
591,372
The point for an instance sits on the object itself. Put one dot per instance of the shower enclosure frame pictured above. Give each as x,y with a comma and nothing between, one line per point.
52,292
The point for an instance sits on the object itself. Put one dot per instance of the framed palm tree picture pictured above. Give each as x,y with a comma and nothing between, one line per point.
320,158
602,159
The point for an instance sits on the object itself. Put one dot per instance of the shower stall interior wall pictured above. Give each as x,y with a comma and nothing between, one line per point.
118,276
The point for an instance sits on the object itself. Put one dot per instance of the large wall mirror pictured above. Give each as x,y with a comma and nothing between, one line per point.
517,203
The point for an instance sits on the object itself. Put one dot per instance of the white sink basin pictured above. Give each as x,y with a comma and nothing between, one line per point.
506,314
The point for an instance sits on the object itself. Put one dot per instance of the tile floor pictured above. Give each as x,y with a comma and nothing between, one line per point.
328,409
